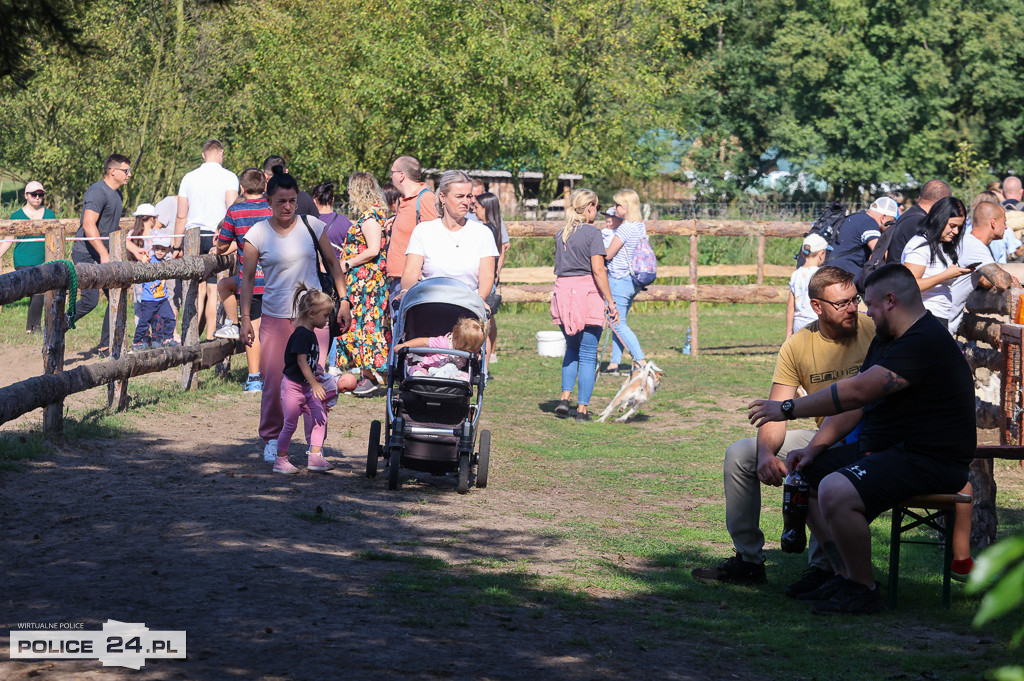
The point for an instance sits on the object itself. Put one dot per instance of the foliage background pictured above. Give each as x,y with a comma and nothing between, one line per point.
865,95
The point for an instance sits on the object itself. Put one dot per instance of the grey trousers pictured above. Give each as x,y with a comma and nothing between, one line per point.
743,498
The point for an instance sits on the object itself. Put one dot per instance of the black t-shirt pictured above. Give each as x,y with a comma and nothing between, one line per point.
852,249
301,342
304,205
934,415
907,227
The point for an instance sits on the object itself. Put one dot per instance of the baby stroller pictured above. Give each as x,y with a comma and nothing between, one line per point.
431,421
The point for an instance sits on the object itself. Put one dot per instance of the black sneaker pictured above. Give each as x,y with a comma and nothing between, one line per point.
562,409
853,598
824,592
583,417
733,570
811,579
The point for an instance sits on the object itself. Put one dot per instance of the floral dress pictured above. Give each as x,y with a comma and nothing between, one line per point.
365,345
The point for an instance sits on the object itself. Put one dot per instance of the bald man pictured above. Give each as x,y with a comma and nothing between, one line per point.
989,222
1013,190
910,222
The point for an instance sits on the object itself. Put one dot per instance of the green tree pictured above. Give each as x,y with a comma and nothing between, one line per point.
999,574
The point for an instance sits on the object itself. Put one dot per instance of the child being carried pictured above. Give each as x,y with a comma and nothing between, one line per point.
467,335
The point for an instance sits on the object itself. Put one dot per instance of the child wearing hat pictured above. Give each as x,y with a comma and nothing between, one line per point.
798,309
156,320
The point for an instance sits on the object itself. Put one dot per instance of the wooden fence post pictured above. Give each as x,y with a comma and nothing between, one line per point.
53,338
189,314
760,259
117,391
694,346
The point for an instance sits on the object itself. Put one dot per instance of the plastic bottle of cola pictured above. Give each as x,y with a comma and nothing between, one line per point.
795,493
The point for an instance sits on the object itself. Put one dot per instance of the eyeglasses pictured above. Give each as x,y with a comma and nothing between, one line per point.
126,171
38,195
842,304
395,171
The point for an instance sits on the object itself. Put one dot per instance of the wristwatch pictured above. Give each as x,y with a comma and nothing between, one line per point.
787,409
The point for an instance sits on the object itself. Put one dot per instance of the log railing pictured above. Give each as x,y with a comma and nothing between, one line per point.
52,279
533,286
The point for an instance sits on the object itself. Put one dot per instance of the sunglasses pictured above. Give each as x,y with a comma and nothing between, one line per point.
38,195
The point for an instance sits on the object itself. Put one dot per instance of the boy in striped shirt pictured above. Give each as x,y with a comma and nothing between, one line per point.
250,209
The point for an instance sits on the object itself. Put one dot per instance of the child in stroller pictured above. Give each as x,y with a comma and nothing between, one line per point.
467,335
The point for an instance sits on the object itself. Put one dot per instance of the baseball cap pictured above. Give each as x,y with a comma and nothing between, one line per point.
145,210
34,186
160,238
885,206
814,243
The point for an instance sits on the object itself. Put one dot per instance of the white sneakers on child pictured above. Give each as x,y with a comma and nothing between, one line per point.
270,451
229,331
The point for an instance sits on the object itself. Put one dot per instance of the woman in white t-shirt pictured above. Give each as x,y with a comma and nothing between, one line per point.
284,248
932,255
452,246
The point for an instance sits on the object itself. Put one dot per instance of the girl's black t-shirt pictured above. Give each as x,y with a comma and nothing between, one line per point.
302,342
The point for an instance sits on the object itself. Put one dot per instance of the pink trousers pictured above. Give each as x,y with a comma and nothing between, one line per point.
274,335
297,398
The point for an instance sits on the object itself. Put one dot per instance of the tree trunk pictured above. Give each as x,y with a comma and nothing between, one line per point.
983,521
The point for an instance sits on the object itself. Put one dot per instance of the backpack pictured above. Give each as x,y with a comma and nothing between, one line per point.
827,226
876,259
419,197
643,269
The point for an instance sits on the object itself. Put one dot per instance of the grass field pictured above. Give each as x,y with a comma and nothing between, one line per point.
635,507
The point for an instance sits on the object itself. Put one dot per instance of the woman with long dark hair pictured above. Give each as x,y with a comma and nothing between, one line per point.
932,255
488,211
285,249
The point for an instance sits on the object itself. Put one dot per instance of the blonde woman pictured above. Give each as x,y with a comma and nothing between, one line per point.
452,246
628,235
364,250
581,299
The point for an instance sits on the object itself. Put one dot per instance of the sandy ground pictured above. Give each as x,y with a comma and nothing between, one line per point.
181,527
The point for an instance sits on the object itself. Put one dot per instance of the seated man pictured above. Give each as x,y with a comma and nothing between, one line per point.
914,399
813,358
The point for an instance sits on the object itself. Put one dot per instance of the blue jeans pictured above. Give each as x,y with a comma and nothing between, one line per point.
581,359
623,292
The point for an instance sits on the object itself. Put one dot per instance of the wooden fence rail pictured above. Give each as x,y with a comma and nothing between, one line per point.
53,278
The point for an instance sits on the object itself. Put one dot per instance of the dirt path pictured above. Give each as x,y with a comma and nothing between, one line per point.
181,527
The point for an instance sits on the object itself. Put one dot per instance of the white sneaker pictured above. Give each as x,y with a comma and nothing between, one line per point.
335,371
270,451
229,331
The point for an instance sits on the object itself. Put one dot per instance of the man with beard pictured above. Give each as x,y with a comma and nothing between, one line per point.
813,358
914,401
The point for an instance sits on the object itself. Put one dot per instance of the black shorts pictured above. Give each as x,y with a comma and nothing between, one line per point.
889,477
205,246
256,309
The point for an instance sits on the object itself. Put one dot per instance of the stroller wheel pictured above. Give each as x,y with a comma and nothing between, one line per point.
394,467
483,459
373,450
463,485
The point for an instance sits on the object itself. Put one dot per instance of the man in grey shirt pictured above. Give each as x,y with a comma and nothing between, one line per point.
101,215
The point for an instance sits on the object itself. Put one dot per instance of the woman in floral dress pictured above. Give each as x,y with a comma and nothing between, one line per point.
365,344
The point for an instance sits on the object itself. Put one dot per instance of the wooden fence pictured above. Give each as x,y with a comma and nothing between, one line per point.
52,279
523,292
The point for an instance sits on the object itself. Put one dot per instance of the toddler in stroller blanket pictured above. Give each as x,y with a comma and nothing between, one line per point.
468,335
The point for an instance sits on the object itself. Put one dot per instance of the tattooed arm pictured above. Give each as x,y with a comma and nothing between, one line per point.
846,395
993,276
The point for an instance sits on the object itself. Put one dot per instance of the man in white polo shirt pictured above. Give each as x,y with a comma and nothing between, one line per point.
203,199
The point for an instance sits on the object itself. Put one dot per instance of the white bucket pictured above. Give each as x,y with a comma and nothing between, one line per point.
550,344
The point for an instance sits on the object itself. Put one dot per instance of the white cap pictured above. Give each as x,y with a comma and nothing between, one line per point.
885,206
814,243
160,239
145,210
